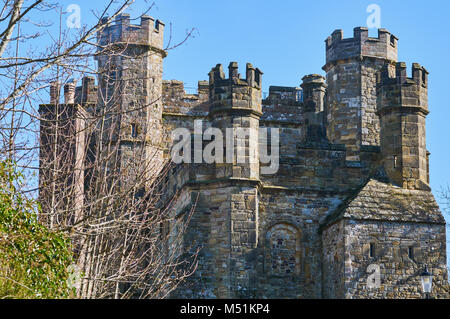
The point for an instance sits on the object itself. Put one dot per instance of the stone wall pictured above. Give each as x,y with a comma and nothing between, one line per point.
400,250
292,219
344,106
370,123
333,261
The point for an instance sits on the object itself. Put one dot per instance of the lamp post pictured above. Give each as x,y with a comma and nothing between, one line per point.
427,282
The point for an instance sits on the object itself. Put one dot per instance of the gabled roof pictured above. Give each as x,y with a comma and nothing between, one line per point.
378,200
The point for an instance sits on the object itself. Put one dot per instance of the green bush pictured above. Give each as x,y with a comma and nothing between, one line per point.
33,259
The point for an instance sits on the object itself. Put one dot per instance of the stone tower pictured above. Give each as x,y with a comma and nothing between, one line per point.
402,107
227,205
236,104
130,89
235,108
314,89
351,66
323,221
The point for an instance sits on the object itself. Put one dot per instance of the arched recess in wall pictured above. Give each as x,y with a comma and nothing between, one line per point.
282,250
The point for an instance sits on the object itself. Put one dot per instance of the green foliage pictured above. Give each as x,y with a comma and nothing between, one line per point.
33,259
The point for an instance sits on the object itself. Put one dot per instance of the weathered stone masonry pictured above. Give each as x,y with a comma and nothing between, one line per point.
352,187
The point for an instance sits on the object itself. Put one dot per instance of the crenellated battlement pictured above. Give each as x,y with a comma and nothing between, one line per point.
271,191
361,45
285,95
175,88
148,32
395,88
178,101
397,74
253,76
235,93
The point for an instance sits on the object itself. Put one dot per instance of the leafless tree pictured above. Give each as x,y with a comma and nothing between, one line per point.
101,179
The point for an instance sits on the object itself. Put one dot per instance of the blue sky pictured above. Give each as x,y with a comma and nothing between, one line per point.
285,39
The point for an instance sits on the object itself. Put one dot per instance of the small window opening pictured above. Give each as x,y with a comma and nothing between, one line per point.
392,40
372,250
134,133
411,252
161,229
395,161
300,95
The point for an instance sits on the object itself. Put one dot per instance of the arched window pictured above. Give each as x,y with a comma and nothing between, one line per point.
283,250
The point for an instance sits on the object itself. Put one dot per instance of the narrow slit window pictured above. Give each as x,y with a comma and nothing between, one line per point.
300,96
395,161
372,250
411,252
134,131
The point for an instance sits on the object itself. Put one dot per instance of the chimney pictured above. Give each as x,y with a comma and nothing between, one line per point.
55,89
69,92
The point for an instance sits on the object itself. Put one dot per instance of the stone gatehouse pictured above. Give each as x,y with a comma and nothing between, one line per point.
352,187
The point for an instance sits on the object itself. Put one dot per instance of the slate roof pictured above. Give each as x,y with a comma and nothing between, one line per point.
378,200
